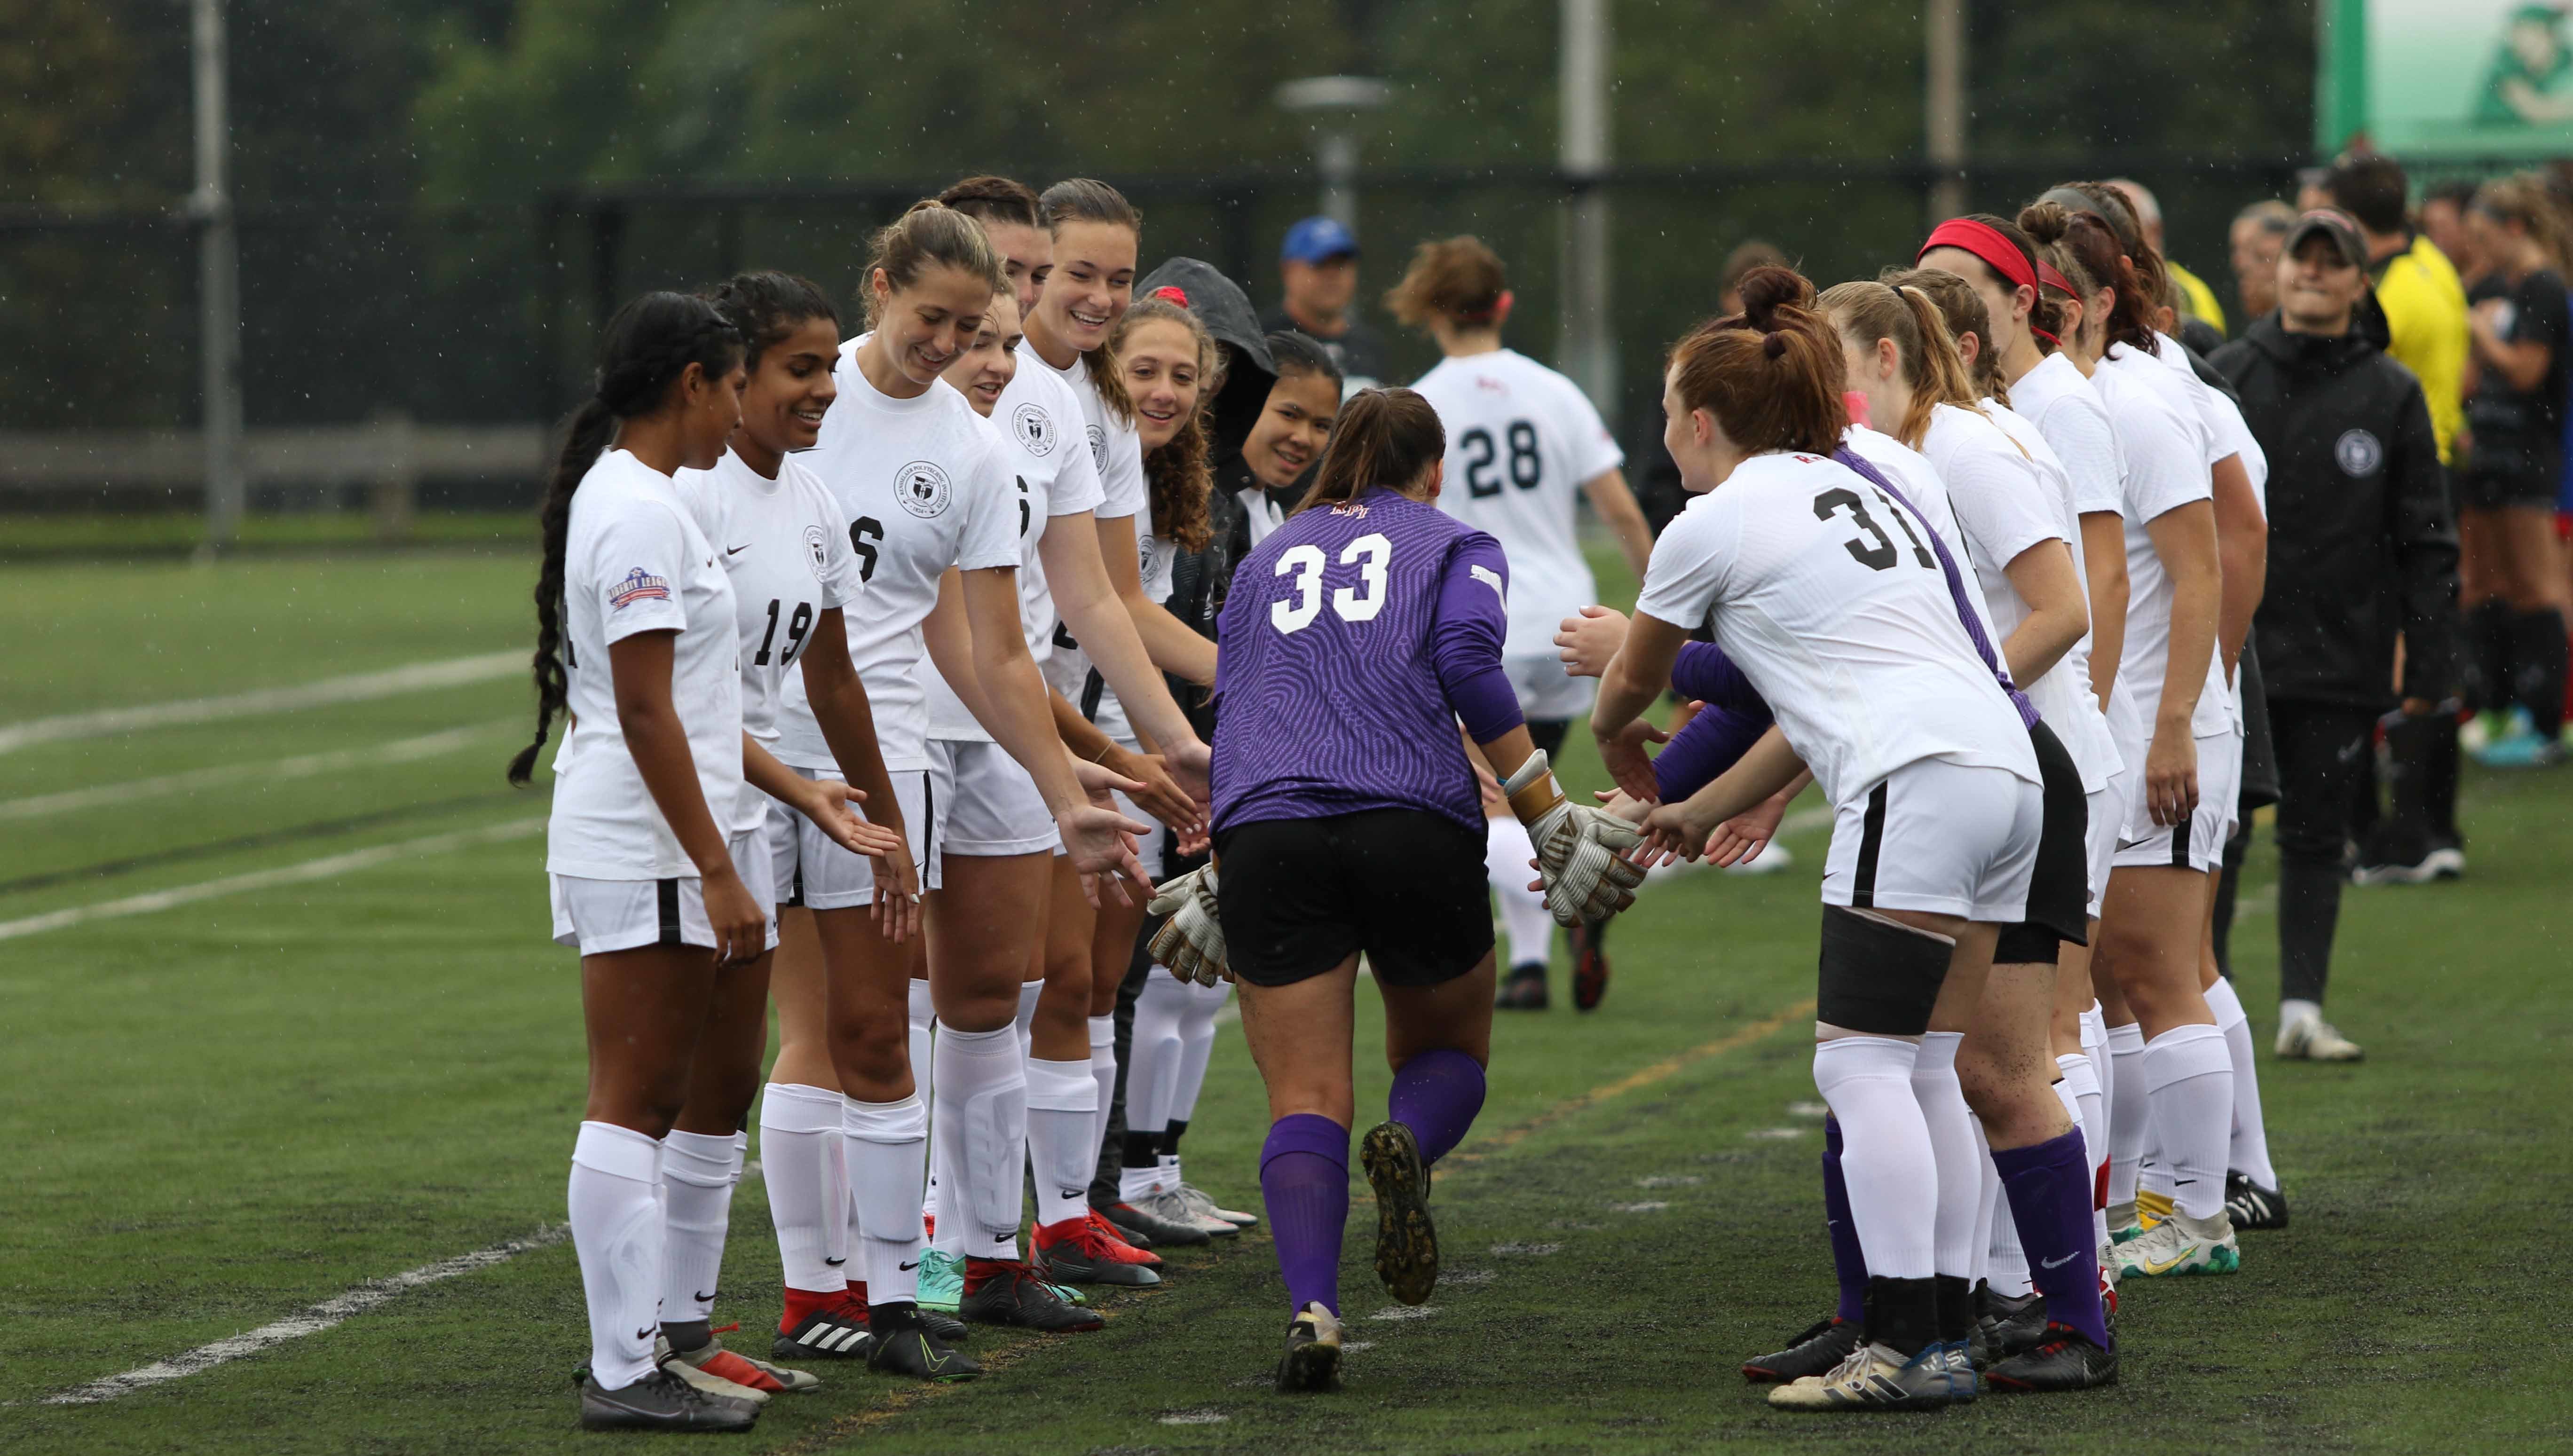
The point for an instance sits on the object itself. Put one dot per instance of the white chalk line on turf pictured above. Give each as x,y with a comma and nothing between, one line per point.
312,1320
399,750
323,869
356,688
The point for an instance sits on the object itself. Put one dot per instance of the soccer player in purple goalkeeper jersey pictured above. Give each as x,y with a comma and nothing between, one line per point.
1347,821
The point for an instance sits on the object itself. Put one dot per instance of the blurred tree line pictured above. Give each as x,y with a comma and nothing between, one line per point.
389,154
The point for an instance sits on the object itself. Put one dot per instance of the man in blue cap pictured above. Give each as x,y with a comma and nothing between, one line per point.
1320,267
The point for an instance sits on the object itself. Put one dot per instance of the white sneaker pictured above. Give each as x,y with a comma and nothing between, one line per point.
1205,1207
1172,1206
2311,1039
1772,857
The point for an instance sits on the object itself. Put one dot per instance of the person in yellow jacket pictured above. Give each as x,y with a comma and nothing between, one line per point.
2417,285
2194,296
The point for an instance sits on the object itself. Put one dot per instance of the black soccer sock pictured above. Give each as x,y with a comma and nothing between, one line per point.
1143,1149
1903,1314
2308,913
1171,1131
2537,671
2487,652
688,1337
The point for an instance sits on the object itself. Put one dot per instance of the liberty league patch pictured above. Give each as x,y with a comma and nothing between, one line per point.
922,487
817,550
1035,429
2358,452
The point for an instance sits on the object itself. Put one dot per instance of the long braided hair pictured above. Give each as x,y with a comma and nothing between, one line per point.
649,345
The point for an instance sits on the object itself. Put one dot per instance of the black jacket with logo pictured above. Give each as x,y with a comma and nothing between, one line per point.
2361,544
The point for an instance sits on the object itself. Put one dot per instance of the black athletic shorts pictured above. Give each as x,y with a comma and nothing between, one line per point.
2059,888
1299,895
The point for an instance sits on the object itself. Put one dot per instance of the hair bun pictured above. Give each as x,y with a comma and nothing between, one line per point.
2045,221
1768,290
1774,345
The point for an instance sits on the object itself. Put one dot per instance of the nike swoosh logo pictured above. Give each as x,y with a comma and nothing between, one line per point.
2174,1261
2128,844
737,550
907,1268
1072,1192
835,1264
704,1297
934,1360
2058,1264
2183,1183
645,1334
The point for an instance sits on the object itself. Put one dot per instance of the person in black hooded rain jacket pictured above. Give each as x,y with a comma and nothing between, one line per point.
2362,549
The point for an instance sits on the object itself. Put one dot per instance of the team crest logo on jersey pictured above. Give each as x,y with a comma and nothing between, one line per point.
1099,449
2358,452
817,550
638,586
1035,429
923,488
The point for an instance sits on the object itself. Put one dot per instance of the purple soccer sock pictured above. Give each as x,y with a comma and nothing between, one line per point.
1848,1262
1305,1181
1437,1096
2049,1188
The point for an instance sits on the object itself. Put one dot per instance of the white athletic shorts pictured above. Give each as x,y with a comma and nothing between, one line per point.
2107,806
813,870
1547,692
992,805
1941,837
2202,846
601,916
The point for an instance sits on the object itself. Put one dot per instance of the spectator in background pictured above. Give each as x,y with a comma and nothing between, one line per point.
2198,301
2361,550
1319,264
2312,189
2443,221
2260,232
1750,255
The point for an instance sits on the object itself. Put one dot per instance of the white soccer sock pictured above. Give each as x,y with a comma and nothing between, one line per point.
882,1143
1029,993
922,1014
799,1142
1197,1047
2127,1115
1955,1141
2251,1147
2189,1079
1156,1051
1137,1183
698,1170
2005,1263
1886,1160
1102,1071
982,1083
1525,925
2293,1011
615,1208
1062,1110
2080,1090
1166,1175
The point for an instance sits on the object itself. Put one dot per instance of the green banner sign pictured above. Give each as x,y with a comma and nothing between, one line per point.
2460,79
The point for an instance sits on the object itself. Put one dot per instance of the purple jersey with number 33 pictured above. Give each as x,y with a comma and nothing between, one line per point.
1354,638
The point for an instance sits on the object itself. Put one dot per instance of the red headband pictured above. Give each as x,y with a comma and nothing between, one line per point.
1984,242
1171,293
2047,274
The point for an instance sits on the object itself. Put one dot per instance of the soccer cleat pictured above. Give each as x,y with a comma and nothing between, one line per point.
2249,1205
2152,1208
1079,1251
919,1352
2179,1245
1204,1208
1823,1346
942,1281
2011,1326
1407,1247
2064,1360
1523,989
1962,1383
2438,861
838,1332
1137,1216
1874,1377
2311,1039
1589,964
1005,1291
1312,1365
719,1371
2124,1225
660,1401
1171,1208
2518,746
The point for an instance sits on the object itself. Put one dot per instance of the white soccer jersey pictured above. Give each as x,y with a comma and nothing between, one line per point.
1824,591
923,486
2065,695
2057,397
787,552
1118,450
2165,452
635,560
1521,440
1039,419
1913,474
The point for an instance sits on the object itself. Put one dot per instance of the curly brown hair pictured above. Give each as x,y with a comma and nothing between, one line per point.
1178,476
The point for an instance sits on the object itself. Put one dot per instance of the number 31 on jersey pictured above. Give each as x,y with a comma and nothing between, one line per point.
1369,553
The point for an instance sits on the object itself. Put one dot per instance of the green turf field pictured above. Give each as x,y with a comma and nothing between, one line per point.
219,1113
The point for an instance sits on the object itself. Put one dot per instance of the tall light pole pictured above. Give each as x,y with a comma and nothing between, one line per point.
218,287
1944,104
1335,104
1588,350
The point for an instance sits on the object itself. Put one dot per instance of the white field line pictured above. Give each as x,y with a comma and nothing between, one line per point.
357,688
330,868
399,750
313,1320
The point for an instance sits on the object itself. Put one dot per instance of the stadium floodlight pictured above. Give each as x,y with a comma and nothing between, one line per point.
1335,103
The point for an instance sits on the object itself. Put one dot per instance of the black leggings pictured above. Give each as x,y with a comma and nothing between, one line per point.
2323,750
